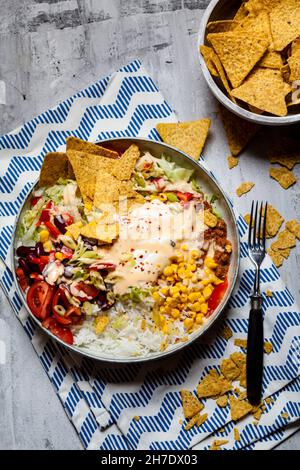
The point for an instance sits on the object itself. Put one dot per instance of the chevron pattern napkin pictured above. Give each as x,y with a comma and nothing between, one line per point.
103,402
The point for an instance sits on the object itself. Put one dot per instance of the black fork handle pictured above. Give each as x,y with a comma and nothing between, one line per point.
255,352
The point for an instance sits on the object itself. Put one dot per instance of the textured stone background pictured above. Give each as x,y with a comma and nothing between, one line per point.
51,49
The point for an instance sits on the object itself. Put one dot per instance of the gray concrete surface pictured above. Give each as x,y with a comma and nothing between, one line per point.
50,49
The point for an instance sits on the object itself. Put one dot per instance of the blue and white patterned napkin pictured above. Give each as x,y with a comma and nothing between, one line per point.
103,403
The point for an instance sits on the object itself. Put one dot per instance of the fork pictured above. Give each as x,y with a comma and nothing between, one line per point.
255,341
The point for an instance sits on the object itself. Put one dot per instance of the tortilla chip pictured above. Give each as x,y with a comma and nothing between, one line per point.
241,343
201,419
285,72
239,131
278,256
265,89
259,24
256,6
70,171
294,65
124,167
271,60
221,26
285,23
86,167
243,377
222,75
244,188
104,233
107,189
294,227
74,229
239,359
226,333
73,143
239,52
190,404
232,162
284,177
241,13
207,56
229,369
268,347
239,408
273,222
236,434
55,166
192,422
222,401
295,48
187,136
286,152
285,240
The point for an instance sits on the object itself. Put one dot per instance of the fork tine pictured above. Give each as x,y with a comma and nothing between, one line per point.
259,234
255,226
264,227
250,225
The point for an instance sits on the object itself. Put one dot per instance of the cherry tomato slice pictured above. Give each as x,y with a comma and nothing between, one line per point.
217,296
62,320
39,299
45,215
90,291
68,218
63,333
34,200
185,197
22,279
60,298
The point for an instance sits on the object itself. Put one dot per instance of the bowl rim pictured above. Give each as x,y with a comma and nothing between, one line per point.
180,346
221,96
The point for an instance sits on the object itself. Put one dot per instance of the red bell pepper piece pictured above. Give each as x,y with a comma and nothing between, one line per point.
185,197
35,200
45,215
22,279
54,232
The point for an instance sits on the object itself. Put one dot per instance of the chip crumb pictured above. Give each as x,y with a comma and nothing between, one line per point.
241,343
247,218
192,422
269,293
213,385
222,401
269,400
229,369
268,347
136,418
220,442
283,176
236,434
232,162
190,404
244,188
285,415
226,333
257,414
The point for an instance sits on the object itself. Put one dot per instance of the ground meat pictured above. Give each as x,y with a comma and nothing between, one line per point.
206,205
222,257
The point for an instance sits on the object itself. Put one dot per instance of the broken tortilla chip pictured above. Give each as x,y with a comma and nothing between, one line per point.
239,132
294,227
239,408
104,233
285,23
229,369
190,404
241,13
238,52
55,166
124,167
284,177
226,333
74,143
241,343
294,65
254,7
285,152
265,89
213,385
222,401
273,222
271,60
201,419
244,188
236,434
190,136
285,240
268,347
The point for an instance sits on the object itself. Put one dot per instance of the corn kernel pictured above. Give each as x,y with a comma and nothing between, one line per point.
162,309
68,234
175,313
184,298
162,321
174,267
156,296
164,290
210,263
184,247
181,273
44,236
193,296
188,323
163,197
195,254
170,278
204,308
47,246
169,300
59,256
174,290
192,267
168,271
207,291
196,307
143,324
194,278
217,281
199,318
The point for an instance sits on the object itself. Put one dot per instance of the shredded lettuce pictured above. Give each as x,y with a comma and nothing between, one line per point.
97,280
55,193
27,229
137,294
172,171
196,186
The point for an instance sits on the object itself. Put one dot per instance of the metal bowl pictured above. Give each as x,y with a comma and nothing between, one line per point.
224,10
210,186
